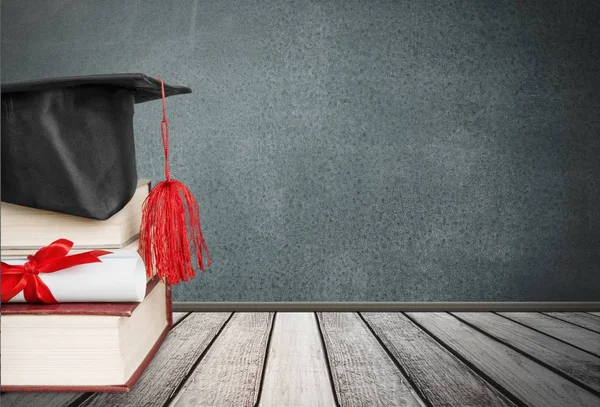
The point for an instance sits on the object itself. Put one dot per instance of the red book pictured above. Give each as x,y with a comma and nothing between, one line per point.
82,347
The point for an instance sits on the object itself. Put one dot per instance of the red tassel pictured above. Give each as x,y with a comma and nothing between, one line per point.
165,241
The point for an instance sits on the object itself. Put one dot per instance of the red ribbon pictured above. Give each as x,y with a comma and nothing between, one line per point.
46,260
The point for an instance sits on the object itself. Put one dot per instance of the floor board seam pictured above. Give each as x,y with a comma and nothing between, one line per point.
184,380
533,358
80,400
423,398
501,389
547,334
570,322
326,357
266,360
180,320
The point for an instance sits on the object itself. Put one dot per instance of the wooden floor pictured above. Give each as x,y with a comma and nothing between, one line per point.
364,359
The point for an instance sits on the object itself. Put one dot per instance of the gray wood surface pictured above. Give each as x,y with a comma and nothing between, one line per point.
176,357
209,360
442,379
296,372
580,337
230,373
178,316
363,374
571,361
38,399
582,319
530,382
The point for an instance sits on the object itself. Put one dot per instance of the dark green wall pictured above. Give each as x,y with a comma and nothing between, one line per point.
360,150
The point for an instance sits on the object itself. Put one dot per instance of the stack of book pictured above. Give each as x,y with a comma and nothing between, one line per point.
90,340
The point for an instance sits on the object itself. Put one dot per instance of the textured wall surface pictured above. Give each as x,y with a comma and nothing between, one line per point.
359,150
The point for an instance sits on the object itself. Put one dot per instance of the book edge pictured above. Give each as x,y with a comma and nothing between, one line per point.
117,388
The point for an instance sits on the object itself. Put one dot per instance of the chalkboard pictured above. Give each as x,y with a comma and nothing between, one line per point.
359,150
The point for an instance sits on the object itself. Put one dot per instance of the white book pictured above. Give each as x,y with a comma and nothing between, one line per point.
24,228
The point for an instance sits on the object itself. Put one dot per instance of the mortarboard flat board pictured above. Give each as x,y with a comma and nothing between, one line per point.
67,143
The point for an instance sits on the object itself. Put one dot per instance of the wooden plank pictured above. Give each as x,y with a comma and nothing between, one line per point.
528,381
574,335
440,377
575,363
581,319
230,373
38,399
178,316
176,357
363,374
296,372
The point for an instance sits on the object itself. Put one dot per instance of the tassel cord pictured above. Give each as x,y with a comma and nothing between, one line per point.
164,131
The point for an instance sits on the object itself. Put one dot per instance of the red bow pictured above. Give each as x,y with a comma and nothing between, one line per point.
46,260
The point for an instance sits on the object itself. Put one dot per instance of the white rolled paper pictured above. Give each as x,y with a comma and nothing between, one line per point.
120,277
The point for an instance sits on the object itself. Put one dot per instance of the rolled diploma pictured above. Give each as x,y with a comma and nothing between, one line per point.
120,277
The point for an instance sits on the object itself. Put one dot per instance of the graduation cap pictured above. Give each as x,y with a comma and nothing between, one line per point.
68,146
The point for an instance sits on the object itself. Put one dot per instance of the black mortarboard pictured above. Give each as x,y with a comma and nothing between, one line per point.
67,146
67,143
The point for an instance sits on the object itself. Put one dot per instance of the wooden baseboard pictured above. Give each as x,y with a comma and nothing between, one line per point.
383,306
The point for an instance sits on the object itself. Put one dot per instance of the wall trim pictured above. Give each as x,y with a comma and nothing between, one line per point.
382,306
